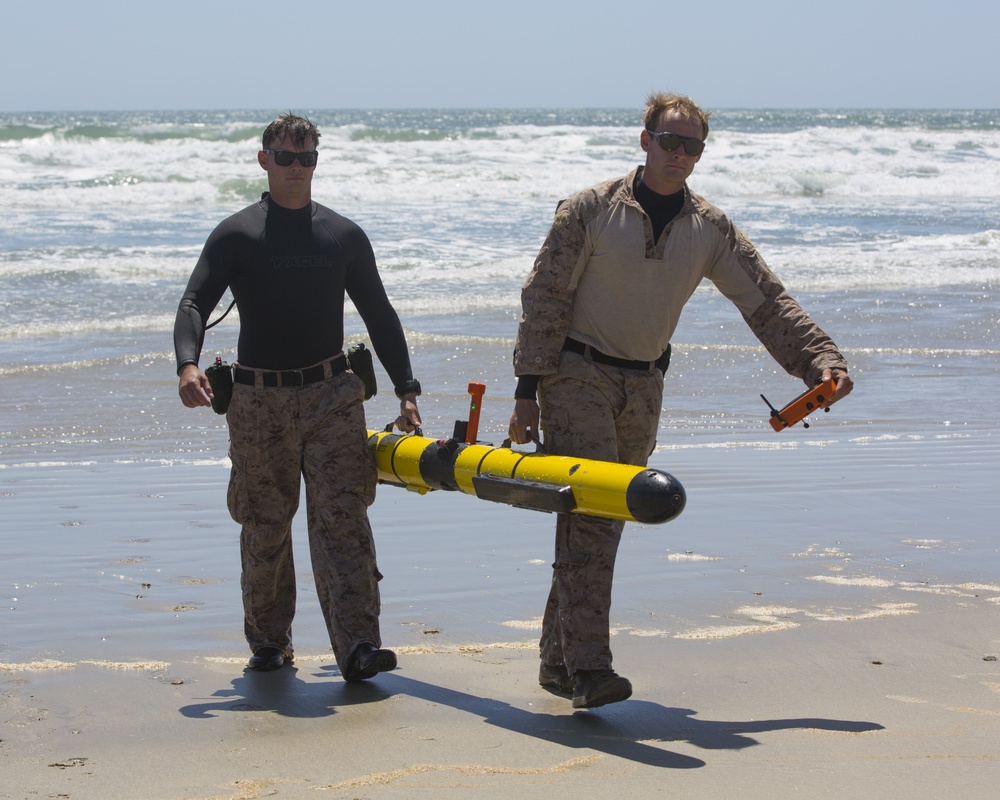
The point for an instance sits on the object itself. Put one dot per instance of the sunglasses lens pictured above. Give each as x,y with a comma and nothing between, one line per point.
285,158
671,141
693,147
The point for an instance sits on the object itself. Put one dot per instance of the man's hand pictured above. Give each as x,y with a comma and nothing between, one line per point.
194,388
524,422
409,417
844,383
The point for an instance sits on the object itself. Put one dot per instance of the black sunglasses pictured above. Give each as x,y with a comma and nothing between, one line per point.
284,158
693,146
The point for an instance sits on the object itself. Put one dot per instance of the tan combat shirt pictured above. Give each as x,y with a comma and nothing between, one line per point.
602,280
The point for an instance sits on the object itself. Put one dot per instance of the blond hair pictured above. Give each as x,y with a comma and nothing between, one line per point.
658,102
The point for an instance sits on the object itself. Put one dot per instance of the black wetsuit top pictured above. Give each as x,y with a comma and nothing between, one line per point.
289,271
660,208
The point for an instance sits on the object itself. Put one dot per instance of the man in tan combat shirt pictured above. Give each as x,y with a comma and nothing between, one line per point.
598,310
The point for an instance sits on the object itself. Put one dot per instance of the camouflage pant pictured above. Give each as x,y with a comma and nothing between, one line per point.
595,411
316,431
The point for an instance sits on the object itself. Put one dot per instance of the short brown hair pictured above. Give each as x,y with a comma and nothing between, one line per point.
658,102
288,126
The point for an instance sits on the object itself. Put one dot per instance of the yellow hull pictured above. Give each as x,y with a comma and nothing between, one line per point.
537,481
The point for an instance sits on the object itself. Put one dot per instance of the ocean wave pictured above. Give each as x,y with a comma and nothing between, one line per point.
474,157
242,125
457,274
405,135
137,126
67,328
876,213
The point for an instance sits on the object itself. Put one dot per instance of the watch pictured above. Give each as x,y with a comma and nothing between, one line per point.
408,387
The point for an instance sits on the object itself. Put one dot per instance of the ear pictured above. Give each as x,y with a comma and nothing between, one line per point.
262,159
644,139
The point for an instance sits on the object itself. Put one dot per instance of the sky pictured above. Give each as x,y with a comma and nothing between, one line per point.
113,55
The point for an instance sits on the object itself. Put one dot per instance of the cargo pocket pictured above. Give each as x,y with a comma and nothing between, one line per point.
570,575
238,495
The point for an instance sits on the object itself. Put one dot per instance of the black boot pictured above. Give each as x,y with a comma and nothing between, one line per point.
598,687
266,659
555,679
367,661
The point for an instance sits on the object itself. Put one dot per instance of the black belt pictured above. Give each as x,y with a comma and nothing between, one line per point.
290,377
622,363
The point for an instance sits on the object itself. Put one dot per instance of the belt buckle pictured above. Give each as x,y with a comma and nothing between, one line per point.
298,374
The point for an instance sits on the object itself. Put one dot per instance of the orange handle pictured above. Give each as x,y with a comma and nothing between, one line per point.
477,390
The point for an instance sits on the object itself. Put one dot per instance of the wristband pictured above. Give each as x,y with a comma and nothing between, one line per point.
408,387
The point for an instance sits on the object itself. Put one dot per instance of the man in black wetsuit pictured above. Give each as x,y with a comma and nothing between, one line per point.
296,409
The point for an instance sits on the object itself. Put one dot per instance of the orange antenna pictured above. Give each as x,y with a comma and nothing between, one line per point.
477,390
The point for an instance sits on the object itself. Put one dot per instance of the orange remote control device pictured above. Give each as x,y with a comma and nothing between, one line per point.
803,405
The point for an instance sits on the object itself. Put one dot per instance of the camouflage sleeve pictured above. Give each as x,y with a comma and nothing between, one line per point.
792,338
797,343
547,296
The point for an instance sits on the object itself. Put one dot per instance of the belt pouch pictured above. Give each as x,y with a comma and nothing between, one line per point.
359,359
220,376
663,362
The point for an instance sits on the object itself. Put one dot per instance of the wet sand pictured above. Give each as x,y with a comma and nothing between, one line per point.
821,621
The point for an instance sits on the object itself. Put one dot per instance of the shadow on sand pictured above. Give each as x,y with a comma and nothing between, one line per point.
631,730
